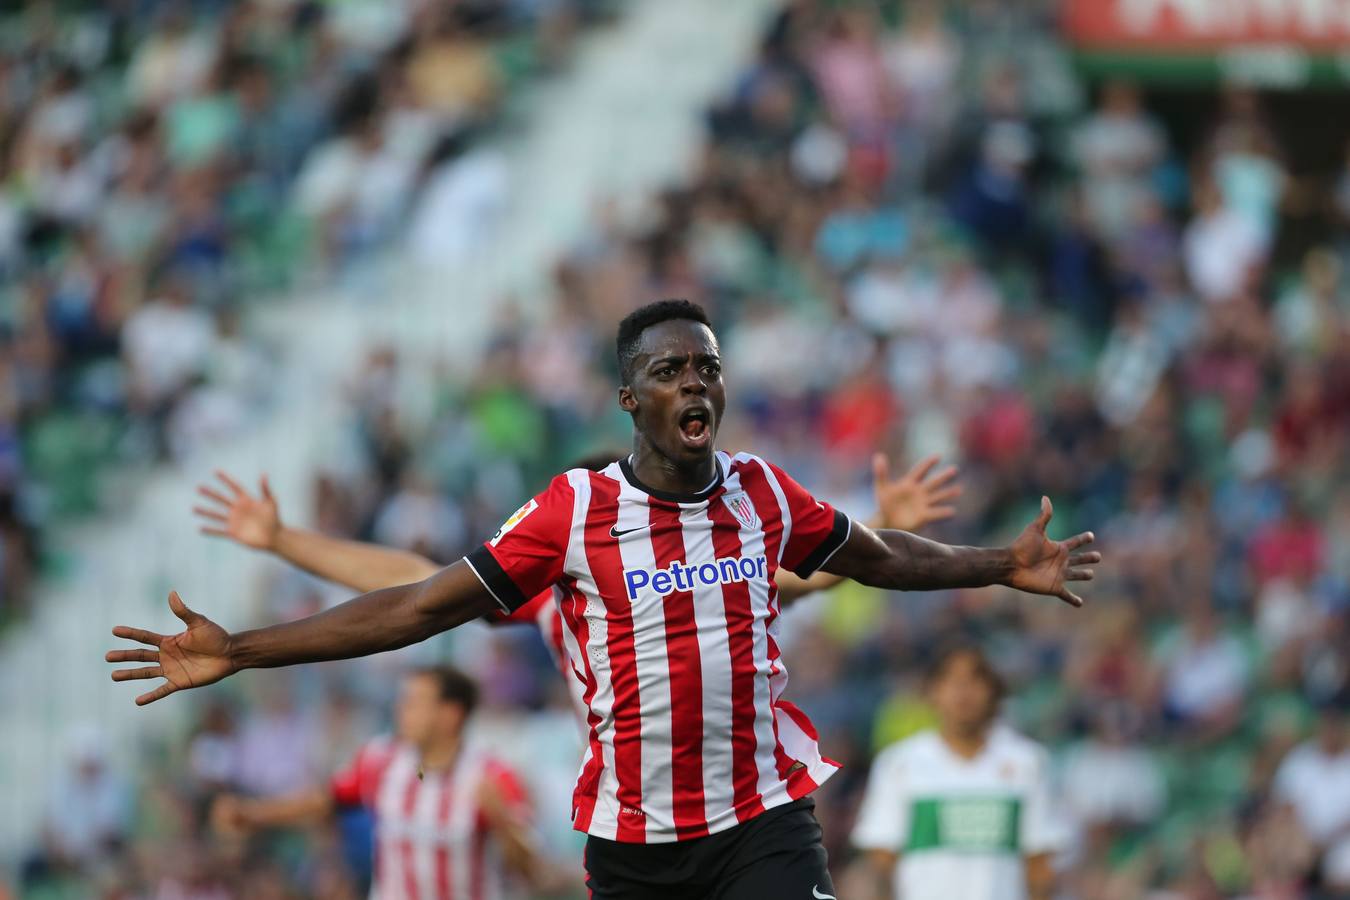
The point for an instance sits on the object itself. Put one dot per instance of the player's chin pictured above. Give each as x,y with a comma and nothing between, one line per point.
692,448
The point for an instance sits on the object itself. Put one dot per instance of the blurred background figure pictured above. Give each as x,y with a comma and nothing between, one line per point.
965,809
449,821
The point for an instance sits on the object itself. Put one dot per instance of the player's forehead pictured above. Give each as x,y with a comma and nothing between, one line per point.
418,683
960,666
677,337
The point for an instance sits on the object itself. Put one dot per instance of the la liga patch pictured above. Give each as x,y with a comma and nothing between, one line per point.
516,518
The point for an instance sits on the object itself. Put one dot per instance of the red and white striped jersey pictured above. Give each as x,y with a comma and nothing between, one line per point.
671,618
432,839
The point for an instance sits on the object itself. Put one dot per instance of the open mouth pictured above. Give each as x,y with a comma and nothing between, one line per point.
696,427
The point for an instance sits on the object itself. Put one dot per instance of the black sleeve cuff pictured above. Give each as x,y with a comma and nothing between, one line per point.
495,579
821,555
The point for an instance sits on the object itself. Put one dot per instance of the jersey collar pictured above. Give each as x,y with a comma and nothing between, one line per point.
626,466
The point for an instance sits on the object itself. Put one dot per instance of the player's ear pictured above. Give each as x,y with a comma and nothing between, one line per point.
627,400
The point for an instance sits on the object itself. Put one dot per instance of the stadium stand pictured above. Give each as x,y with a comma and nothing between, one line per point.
167,165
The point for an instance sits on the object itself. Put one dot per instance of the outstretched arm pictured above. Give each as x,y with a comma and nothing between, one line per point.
233,814
1033,563
907,503
255,521
386,619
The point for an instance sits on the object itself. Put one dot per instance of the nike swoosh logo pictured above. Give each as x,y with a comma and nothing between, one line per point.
616,533
815,892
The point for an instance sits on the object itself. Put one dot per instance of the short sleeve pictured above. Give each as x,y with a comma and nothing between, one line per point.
816,529
525,557
1043,824
883,817
525,615
358,783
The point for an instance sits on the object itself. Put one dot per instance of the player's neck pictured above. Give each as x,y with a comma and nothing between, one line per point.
965,744
439,754
659,472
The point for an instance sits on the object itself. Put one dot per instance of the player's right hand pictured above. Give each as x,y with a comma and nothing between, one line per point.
240,516
916,498
197,656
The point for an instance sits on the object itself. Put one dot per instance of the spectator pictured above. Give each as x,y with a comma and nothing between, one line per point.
1205,675
1223,249
1315,780
88,812
1111,780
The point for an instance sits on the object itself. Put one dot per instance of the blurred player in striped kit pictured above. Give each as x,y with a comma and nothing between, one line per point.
450,821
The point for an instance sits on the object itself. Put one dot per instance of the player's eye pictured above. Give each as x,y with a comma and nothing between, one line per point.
712,370
665,372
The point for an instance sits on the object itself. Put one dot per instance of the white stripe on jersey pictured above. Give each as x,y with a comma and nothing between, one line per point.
390,875
653,666
463,819
425,819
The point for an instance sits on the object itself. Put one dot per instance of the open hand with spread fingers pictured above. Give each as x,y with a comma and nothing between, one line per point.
1045,566
917,497
238,515
197,656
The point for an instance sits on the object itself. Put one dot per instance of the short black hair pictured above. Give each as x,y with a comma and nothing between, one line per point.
949,653
644,317
452,685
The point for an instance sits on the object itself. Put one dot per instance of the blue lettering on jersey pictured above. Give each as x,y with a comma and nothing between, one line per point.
679,576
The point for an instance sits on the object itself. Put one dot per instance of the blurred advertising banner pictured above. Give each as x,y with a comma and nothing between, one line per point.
1273,43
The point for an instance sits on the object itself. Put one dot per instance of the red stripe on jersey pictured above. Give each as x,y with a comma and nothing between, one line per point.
443,890
741,643
606,564
406,845
762,496
686,679
583,796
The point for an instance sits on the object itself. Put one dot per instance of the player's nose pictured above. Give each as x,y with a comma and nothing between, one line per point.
693,382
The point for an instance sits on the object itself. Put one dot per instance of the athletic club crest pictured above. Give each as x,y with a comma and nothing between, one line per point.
743,510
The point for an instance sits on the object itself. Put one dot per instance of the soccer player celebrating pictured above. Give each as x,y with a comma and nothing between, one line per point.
965,810
449,821
908,503
697,771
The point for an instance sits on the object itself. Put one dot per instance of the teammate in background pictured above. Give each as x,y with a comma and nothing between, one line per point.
697,771
908,503
964,811
450,822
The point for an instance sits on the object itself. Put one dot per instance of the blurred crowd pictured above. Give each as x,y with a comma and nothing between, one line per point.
919,232
163,165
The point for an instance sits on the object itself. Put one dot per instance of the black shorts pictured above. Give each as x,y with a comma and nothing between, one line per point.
775,855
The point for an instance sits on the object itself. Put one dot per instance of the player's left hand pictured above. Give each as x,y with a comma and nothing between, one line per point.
915,499
1044,566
